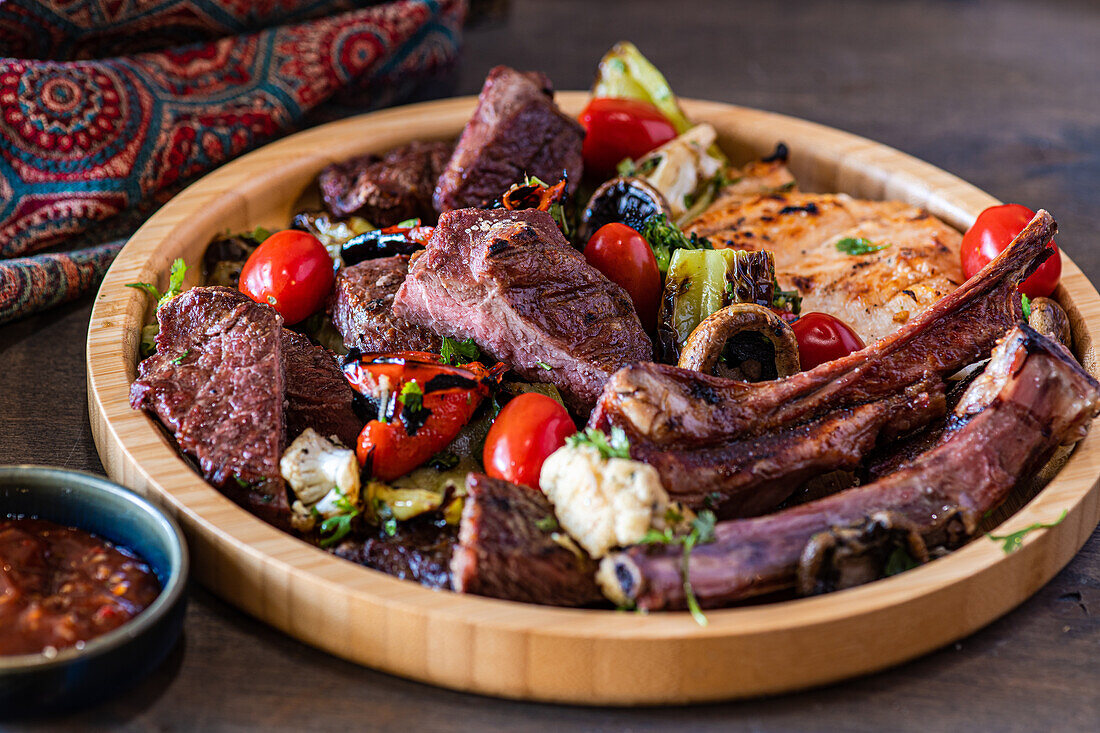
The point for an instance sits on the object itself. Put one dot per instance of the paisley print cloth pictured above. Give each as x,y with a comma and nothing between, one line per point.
88,149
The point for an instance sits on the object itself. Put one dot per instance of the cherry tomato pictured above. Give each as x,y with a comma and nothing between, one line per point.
993,231
621,128
624,256
292,272
823,338
527,430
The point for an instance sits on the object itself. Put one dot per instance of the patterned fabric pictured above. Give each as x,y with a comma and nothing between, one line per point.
82,142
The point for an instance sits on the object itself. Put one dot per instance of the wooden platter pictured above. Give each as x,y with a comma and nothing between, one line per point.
539,653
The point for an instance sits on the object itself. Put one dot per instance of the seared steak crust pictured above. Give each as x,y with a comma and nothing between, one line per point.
516,129
318,395
217,383
389,189
419,550
362,309
511,282
502,552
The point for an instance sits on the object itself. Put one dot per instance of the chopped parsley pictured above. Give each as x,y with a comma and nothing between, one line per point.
179,359
858,246
617,446
1012,542
702,532
457,353
412,396
175,283
664,237
1025,303
543,365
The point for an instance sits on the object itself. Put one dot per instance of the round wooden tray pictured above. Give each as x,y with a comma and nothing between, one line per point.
533,652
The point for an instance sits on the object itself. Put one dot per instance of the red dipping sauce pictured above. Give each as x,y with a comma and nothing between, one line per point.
60,586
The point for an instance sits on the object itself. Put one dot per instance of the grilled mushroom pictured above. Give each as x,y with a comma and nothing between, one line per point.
742,341
627,200
1049,319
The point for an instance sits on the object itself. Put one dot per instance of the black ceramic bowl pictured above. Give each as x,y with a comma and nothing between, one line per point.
106,665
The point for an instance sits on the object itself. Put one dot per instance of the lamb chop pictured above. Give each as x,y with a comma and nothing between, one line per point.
1032,397
667,407
510,281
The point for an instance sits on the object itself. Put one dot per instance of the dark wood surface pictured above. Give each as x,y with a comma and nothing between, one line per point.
1006,95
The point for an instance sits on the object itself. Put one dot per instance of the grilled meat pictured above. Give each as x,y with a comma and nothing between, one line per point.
362,309
388,189
503,550
659,405
875,292
217,382
510,281
1032,397
419,549
517,129
318,395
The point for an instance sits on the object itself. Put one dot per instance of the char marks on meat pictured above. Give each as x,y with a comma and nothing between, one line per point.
362,309
217,382
659,405
516,129
388,189
318,395
505,550
1032,397
510,281
419,549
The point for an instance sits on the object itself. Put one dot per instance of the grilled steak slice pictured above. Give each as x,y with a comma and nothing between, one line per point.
516,129
502,552
418,550
510,281
670,407
749,477
1032,397
216,382
389,189
318,395
362,309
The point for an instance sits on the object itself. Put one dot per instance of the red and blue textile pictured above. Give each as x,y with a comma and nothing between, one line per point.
89,148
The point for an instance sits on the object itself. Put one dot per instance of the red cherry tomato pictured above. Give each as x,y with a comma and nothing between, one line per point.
292,272
823,338
624,256
527,430
993,231
621,128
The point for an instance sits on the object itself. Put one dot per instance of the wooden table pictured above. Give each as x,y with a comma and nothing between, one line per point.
1005,96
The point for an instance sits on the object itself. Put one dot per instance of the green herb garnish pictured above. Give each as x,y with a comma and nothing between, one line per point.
1025,303
858,246
786,299
457,353
409,223
547,524
179,359
543,365
617,446
664,237
257,235
899,561
175,284
338,525
702,532
412,396
1012,542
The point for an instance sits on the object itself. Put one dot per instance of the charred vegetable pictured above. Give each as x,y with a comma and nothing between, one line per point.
630,201
1049,319
330,231
534,193
225,256
665,238
700,283
400,239
685,172
742,341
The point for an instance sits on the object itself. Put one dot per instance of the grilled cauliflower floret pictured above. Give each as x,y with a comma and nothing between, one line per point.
603,502
322,474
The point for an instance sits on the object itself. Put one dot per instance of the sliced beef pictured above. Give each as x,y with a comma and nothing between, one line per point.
388,189
362,309
318,395
665,406
419,550
510,281
507,548
217,382
1032,397
516,129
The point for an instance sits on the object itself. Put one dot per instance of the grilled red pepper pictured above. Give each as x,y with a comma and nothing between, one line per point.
423,404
